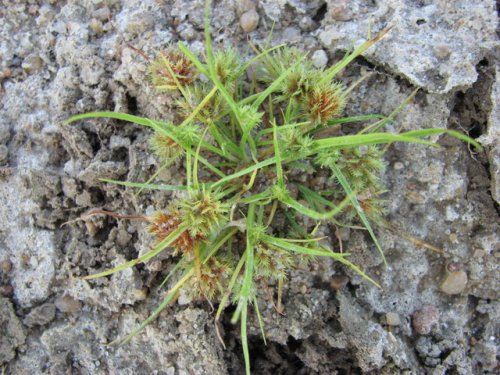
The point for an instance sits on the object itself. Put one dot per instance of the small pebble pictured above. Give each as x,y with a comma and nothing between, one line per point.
306,23
116,142
46,14
398,165
392,319
33,9
249,20
123,237
415,197
140,23
32,63
91,227
454,283
442,51
84,199
96,26
6,266
479,253
67,304
291,34
6,290
343,233
155,265
341,10
244,6
187,31
338,282
140,294
319,58
184,299
454,266
424,319
5,74
102,14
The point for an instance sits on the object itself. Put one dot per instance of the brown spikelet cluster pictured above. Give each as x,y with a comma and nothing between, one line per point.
325,102
211,281
162,224
180,65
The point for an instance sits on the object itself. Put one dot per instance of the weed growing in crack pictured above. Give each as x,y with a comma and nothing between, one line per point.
252,138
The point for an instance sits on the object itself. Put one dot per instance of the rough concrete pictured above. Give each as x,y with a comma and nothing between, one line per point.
63,58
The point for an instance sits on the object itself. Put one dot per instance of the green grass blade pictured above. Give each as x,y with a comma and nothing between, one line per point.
367,139
249,265
230,287
277,155
259,318
245,171
335,69
244,338
143,185
178,265
114,115
380,124
210,166
192,57
290,246
166,301
258,56
347,187
255,198
276,84
144,258
219,242
311,213
153,177
286,245
347,120
461,136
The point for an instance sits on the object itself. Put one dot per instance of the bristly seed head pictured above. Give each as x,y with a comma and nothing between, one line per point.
325,102
180,65
212,281
163,224
203,212
165,147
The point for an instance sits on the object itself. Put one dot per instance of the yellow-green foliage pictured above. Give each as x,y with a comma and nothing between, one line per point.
244,141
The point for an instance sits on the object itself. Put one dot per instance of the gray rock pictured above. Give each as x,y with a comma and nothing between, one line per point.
4,154
291,34
40,315
436,196
491,139
34,265
102,14
67,304
13,334
368,338
139,23
467,32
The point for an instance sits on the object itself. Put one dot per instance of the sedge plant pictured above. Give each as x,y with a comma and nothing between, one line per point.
252,138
